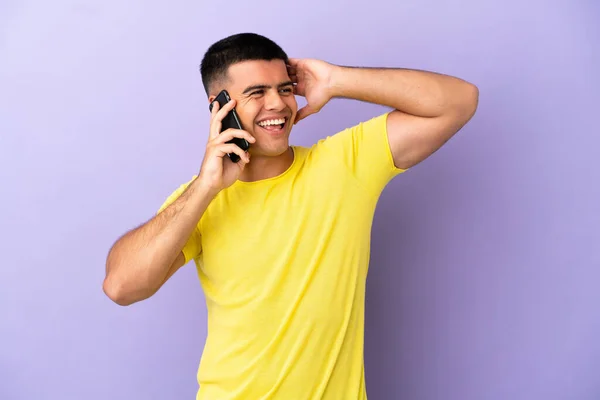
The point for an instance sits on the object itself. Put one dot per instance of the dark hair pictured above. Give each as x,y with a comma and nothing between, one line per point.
233,49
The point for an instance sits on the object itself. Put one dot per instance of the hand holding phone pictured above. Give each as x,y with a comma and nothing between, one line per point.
216,173
231,120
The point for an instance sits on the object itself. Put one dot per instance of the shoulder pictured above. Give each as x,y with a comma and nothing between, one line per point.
362,150
365,137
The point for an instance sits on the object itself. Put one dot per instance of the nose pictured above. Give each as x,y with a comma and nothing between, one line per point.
273,101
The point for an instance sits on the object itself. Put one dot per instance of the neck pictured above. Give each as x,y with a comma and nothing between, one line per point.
265,167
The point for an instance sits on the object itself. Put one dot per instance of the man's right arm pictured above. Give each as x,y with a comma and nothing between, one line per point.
141,261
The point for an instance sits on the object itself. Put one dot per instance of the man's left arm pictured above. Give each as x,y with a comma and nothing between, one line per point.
429,108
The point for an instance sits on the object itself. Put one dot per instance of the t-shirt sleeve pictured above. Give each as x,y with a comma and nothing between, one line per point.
193,246
365,151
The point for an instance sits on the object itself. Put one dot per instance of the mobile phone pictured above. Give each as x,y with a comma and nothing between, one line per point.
231,120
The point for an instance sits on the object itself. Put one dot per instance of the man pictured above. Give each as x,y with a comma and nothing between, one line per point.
281,238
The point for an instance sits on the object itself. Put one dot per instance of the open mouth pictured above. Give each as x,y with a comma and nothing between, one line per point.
273,126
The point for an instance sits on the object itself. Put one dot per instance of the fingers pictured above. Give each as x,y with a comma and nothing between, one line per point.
216,117
292,73
293,62
214,124
228,148
303,113
292,70
220,147
231,133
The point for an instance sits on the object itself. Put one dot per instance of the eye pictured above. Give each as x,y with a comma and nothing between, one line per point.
257,92
286,90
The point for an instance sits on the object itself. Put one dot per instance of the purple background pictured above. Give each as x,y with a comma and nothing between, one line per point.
484,278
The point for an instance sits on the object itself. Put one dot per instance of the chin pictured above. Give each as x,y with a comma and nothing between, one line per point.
273,151
269,146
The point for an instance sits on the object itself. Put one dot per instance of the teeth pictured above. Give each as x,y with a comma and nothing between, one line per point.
272,122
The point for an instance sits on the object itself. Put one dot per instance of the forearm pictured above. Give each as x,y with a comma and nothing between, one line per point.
419,93
139,262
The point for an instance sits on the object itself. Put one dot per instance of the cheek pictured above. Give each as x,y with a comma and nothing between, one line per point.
247,115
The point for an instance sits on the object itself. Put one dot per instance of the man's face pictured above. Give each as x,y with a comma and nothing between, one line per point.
266,103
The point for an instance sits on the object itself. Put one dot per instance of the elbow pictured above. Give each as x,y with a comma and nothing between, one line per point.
464,106
115,290
115,285
471,100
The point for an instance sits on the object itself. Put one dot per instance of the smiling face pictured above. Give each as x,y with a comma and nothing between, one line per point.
266,103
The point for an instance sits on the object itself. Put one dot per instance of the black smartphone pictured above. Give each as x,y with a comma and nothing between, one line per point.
231,120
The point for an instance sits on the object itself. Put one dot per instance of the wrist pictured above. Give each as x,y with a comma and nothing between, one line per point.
338,79
202,189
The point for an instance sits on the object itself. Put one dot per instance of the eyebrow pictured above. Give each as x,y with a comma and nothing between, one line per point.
258,87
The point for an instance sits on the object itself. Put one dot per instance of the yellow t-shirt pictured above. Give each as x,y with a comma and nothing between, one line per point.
283,264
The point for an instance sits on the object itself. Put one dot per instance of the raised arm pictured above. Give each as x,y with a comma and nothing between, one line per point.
429,108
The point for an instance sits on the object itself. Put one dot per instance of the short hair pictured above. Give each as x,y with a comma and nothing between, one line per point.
233,49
